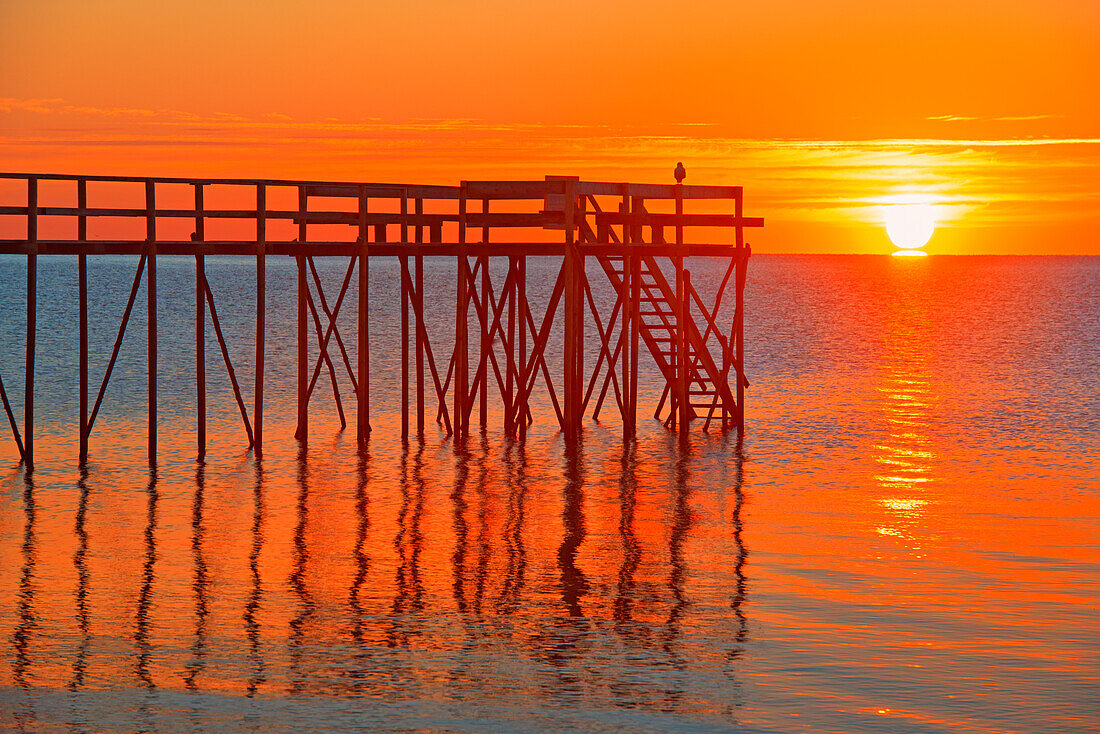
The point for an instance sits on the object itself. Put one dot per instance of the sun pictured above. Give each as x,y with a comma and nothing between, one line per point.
910,226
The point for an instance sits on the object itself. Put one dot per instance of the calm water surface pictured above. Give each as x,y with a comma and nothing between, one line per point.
906,539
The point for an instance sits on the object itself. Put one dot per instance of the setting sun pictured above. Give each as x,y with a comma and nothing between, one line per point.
910,226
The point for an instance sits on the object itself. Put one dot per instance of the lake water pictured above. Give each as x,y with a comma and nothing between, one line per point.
907,538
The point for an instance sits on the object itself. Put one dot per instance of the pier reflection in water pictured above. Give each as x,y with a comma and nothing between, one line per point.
428,572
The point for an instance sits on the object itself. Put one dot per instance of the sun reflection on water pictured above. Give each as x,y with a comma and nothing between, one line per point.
904,455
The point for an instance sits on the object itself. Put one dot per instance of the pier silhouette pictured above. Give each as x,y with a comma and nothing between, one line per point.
635,232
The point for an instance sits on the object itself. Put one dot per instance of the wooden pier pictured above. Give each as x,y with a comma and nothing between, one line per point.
637,233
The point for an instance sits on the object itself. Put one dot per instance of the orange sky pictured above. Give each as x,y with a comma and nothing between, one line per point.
824,111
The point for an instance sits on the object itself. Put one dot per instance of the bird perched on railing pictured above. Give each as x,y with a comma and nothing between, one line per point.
680,173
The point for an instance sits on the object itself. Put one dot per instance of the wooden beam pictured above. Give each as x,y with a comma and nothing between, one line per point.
512,189
118,341
228,364
678,220
333,330
12,423
324,359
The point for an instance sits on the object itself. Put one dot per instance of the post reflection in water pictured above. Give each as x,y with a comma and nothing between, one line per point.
256,589
740,589
22,637
143,614
297,580
80,563
563,572
458,521
201,581
409,589
574,585
484,548
511,592
360,551
904,453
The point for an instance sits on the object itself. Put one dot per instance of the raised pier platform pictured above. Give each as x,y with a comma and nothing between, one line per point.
499,342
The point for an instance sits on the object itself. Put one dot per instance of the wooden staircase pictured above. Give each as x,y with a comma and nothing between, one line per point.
709,393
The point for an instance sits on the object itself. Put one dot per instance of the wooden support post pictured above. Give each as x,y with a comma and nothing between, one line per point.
200,325
32,322
521,356
573,306
743,253
404,348
739,338
302,432
418,297
510,379
579,204
682,398
82,287
362,408
635,334
636,206
486,337
261,306
626,319
462,381
627,324
151,305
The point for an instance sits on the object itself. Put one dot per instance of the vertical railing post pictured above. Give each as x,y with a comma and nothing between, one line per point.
151,294
82,287
32,321
261,306
200,324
